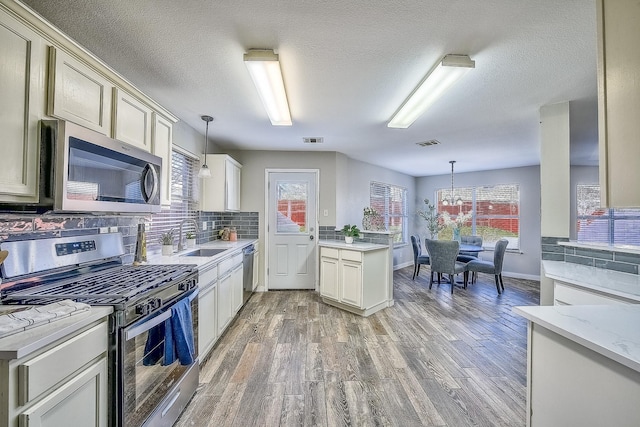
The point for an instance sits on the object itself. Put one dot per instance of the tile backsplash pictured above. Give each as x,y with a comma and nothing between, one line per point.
33,226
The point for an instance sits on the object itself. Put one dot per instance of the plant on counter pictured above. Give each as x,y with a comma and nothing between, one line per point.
167,238
434,220
351,230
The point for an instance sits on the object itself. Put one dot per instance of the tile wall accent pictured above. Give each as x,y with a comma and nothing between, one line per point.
326,232
28,227
246,223
610,260
32,226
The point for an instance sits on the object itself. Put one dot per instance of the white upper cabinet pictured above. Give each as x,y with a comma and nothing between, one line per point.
131,120
23,57
162,146
619,101
221,192
79,93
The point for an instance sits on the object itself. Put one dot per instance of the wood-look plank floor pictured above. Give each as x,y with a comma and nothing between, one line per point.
433,359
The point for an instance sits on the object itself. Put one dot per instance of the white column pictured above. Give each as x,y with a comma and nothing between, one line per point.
555,191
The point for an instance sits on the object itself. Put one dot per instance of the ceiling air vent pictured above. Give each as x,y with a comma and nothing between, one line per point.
313,140
428,143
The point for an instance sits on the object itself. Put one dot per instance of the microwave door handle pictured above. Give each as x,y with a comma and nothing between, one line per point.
149,173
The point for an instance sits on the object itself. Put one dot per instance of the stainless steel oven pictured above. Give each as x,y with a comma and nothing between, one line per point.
151,378
155,389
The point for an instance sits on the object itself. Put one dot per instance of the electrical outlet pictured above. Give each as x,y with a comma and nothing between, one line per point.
325,212
104,230
204,225
113,229
213,225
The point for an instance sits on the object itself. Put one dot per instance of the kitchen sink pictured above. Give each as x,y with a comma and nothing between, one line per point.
204,252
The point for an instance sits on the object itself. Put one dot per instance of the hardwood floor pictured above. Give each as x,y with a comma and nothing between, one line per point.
433,359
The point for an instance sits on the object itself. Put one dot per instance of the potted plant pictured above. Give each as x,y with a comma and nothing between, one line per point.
350,231
191,239
167,242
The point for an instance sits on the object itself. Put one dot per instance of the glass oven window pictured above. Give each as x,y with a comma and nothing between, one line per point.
146,378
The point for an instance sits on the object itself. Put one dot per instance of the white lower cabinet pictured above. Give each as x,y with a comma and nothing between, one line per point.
64,384
354,280
236,279
225,292
256,270
207,310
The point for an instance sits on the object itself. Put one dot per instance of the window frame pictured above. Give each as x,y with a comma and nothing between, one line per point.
387,194
470,203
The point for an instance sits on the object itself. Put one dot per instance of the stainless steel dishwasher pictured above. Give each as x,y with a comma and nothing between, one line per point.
247,276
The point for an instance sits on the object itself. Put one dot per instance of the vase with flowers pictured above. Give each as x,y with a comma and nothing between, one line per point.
372,220
456,223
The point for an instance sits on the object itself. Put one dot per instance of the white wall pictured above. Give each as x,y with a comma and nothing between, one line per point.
190,139
525,264
359,177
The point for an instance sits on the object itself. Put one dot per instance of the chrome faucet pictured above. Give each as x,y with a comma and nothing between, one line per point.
195,224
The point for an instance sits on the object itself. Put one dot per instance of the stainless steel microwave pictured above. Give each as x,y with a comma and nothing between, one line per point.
84,171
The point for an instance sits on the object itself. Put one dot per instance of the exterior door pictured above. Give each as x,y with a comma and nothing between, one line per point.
292,229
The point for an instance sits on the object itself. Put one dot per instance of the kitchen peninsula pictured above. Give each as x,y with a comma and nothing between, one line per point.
356,277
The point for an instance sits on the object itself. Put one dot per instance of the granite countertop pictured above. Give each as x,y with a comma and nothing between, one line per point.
611,282
355,246
611,331
31,340
176,258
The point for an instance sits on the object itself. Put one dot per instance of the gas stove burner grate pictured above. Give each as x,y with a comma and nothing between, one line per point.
118,284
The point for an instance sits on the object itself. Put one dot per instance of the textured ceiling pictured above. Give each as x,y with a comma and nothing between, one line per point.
348,65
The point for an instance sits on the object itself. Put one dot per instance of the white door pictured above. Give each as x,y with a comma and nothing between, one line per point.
292,229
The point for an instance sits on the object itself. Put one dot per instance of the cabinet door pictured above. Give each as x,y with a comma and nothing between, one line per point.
329,277
78,93
22,70
132,120
351,283
207,316
619,101
232,181
162,145
237,279
80,402
225,292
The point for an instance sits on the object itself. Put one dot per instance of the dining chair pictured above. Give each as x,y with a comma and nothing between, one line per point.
418,258
489,267
470,256
442,255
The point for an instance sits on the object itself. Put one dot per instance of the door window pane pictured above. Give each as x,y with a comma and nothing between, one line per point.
292,206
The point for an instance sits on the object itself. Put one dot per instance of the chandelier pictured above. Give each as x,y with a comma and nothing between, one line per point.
452,199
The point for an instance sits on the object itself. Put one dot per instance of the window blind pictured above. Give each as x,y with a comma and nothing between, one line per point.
184,203
390,201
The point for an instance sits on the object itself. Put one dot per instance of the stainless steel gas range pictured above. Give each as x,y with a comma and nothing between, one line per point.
153,360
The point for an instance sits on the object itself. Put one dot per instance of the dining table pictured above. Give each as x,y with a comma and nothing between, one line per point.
470,248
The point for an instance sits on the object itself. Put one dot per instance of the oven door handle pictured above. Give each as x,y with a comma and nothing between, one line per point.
134,331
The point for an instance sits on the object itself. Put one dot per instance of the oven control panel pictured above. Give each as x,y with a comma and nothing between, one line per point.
75,247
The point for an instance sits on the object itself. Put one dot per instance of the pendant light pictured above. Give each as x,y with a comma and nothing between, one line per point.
452,200
204,171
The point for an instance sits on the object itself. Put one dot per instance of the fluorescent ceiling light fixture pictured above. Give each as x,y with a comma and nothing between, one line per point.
441,78
264,67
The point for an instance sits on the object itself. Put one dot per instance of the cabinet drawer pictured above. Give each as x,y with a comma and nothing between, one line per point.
46,370
208,276
352,256
566,295
329,253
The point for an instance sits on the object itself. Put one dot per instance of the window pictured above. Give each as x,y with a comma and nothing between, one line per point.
183,199
603,225
496,212
390,202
